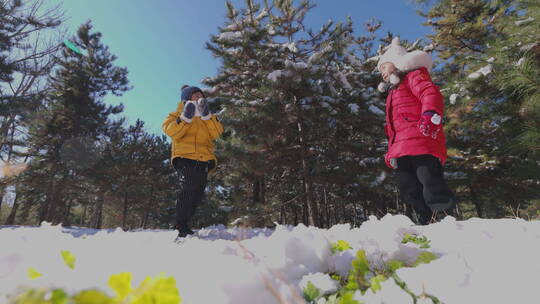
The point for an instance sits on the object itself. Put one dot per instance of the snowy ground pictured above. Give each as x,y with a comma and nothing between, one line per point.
481,261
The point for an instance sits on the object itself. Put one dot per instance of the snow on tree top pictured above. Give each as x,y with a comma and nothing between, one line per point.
271,29
262,14
413,46
428,48
291,46
234,51
235,26
482,71
228,36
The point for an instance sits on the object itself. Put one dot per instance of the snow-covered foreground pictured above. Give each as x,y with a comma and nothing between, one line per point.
481,261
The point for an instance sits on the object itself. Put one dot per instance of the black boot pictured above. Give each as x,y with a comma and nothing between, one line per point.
424,218
184,230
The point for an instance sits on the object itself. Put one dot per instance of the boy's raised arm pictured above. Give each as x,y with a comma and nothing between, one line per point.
174,127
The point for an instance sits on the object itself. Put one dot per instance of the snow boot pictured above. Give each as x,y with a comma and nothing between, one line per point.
184,230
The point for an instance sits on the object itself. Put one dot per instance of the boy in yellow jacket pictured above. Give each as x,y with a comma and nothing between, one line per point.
192,129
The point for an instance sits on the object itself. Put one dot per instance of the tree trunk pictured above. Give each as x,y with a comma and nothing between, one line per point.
53,205
65,220
343,211
336,215
10,153
52,211
98,213
499,211
59,211
365,210
125,209
2,193
327,211
256,192
355,213
305,211
145,219
11,218
262,181
83,216
308,183
295,214
148,208
259,192
24,212
476,202
44,210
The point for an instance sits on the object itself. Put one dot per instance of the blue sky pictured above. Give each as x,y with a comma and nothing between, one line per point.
161,42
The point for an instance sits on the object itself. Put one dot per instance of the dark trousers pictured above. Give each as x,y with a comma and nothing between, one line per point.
421,183
192,178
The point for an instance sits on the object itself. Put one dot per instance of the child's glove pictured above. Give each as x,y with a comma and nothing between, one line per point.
430,124
188,112
202,105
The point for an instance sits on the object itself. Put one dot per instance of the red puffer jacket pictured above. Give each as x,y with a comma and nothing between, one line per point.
415,95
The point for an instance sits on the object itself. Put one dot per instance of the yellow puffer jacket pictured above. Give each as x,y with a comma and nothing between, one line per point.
192,140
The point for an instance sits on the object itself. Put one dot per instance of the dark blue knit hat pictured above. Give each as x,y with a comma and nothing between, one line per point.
187,91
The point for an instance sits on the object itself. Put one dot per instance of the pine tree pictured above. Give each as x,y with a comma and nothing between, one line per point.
158,184
7,28
519,56
75,117
137,164
480,77
297,103
25,59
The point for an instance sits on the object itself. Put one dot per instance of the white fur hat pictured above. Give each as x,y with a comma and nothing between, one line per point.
404,61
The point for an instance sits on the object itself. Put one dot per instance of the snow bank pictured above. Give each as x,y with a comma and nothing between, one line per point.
480,261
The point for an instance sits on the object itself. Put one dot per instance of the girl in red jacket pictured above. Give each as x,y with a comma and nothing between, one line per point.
416,141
